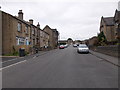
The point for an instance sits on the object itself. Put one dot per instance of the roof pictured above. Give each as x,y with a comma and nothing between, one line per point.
44,31
117,15
54,30
23,21
109,21
46,27
94,37
117,12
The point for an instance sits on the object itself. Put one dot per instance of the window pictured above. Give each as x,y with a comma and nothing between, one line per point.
41,34
19,26
26,29
26,41
36,32
33,31
20,40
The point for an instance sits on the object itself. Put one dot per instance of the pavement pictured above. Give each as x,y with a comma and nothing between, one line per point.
108,58
6,58
9,60
61,68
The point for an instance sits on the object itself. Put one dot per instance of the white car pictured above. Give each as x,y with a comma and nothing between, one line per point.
74,45
82,48
66,45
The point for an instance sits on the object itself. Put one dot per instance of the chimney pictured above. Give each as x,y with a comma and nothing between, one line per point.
20,14
38,25
31,21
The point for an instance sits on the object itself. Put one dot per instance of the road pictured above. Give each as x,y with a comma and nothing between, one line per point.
61,68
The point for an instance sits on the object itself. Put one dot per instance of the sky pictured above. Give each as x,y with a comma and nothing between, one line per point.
76,19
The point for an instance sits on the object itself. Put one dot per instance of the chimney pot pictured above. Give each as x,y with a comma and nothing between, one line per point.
31,21
20,14
38,25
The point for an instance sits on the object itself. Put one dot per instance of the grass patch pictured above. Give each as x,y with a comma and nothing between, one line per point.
12,54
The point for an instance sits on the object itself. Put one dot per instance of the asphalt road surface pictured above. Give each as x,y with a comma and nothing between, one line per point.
61,68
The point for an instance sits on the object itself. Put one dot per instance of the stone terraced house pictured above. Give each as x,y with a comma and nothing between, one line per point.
18,33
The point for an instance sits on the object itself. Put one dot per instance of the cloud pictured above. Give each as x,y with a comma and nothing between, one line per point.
75,19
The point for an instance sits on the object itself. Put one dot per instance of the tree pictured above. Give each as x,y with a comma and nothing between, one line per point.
69,38
102,39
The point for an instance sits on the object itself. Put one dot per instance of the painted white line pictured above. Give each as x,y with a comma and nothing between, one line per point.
34,57
12,65
11,60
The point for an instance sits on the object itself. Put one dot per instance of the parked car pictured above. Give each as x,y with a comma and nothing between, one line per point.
74,45
82,48
66,45
61,47
77,44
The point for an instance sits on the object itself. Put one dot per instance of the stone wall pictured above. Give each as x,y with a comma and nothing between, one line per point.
112,50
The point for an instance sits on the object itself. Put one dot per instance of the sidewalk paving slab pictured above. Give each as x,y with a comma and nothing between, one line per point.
113,60
6,58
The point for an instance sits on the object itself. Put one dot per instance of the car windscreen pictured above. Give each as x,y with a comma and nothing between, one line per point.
83,47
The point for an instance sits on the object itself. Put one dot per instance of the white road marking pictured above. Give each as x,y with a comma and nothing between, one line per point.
12,65
34,57
11,60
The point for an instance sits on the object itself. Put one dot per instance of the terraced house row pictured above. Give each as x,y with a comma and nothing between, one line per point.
18,33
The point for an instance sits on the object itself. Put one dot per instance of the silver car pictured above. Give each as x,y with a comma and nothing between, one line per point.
82,48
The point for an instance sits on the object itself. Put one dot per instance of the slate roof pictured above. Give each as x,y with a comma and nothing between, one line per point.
118,12
117,15
109,21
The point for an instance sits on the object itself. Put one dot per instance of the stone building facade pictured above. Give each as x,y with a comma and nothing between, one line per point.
63,42
111,27
15,33
44,39
107,26
117,24
53,36
93,41
18,33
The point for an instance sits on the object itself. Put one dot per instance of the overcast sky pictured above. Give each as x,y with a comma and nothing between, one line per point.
76,19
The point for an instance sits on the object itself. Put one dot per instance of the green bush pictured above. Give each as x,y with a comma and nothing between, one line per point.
16,53
117,43
26,53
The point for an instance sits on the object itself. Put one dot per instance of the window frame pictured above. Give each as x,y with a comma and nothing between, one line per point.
26,29
19,27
